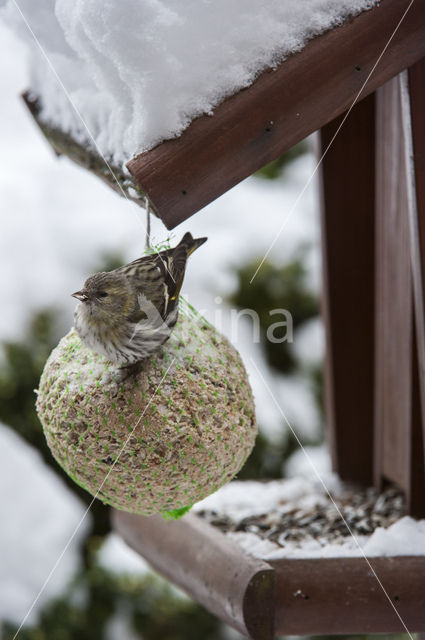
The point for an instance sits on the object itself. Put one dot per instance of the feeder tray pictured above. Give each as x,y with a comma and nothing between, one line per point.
263,598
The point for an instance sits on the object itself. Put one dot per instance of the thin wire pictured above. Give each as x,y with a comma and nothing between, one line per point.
148,224
75,108
303,190
47,580
313,466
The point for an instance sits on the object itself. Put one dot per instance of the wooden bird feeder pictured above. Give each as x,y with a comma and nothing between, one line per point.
373,216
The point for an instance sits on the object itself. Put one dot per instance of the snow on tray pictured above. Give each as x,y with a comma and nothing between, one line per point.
406,537
295,518
246,498
140,70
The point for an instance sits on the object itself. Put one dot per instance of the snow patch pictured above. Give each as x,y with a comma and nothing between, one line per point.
39,515
116,556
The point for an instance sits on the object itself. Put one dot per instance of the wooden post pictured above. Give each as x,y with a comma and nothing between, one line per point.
374,174
400,331
347,199
394,319
342,595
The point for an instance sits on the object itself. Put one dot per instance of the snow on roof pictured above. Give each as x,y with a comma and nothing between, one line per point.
139,71
295,518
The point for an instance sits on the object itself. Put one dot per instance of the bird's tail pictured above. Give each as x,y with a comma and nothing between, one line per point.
191,243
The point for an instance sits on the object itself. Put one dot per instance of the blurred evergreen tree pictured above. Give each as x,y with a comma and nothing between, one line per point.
276,287
267,459
281,286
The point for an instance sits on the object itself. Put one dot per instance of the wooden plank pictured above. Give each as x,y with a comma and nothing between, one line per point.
348,258
341,595
206,564
281,108
393,295
400,381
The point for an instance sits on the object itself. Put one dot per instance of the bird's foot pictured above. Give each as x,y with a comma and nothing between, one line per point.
129,371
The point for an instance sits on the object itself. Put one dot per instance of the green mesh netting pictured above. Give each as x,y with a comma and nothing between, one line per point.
147,444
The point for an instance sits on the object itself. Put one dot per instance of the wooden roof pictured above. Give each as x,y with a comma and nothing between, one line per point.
282,107
258,124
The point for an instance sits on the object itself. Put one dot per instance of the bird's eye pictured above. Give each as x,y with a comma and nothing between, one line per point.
102,294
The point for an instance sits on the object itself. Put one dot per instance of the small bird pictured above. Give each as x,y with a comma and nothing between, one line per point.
126,314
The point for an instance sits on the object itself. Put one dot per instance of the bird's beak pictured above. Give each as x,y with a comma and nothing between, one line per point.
80,295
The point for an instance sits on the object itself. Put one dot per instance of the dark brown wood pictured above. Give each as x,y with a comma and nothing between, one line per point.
206,564
348,256
341,595
416,502
281,108
414,105
417,124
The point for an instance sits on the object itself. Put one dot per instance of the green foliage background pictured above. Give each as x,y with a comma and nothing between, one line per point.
153,610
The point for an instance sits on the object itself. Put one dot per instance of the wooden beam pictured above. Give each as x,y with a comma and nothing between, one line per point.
206,564
348,258
282,107
342,596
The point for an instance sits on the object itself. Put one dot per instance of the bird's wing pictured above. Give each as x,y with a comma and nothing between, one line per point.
159,277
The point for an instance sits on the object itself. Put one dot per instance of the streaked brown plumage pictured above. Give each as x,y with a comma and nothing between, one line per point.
126,314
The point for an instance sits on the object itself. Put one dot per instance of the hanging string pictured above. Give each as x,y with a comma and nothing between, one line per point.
148,224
